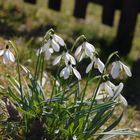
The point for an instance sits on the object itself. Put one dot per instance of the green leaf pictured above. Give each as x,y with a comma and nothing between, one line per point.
114,124
28,113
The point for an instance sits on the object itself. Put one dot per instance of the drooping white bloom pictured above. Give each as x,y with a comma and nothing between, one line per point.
66,57
74,137
97,64
68,70
56,131
7,55
106,87
114,92
53,44
117,94
117,67
85,49
59,40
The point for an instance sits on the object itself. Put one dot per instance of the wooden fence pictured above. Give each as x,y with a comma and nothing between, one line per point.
129,13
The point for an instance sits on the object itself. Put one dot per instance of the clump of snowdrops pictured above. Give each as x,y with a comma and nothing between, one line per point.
65,111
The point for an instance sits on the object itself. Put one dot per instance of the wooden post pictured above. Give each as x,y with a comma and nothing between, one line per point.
31,1
80,8
126,28
108,12
55,4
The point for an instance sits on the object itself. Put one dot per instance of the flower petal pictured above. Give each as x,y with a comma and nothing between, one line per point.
89,67
88,52
46,46
115,69
74,137
55,45
100,65
1,52
111,85
101,87
81,57
90,47
118,91
67,72
11,56
72,59
57,60
78,51
48,53
62,72
76,73
67,58
6,57
127,70
59,40
109,89
123,100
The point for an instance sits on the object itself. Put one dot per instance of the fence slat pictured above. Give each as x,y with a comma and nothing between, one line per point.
80,8
31,1
108,14
55,4
127,25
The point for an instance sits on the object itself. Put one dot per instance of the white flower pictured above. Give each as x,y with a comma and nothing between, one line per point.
74,137
53,44
106,87
7,55
56,131
59,40
117,67
85,49
97,64
66,57
46,49
114,92
117,94
68,70
123,100
48,53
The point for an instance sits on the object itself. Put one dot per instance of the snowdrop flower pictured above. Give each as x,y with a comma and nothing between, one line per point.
68,70
114,92
106,87
7,55
85,49
53,44
56,131
66,57
117,67
74,137
58,39
117,94
55,41
97,64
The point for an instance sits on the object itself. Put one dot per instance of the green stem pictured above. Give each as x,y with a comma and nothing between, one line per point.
42,69
52,92
77,41
84,92
18,67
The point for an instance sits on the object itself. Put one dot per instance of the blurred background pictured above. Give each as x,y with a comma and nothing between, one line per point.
108,25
